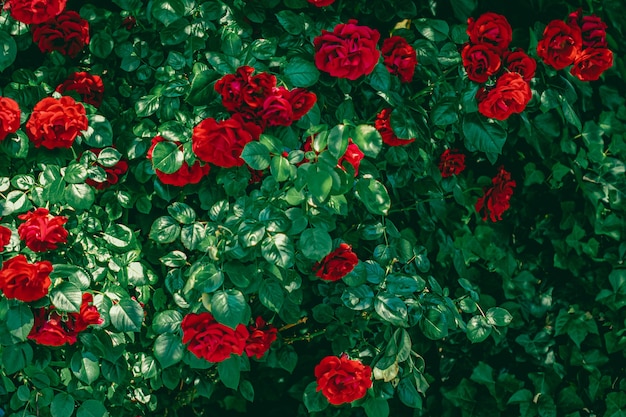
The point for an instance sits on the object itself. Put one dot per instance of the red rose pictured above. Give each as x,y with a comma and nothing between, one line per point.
560,45
321,3
383,125
490,28
349,51
451,163
231,87
481,61
261,337
353,156
41,231
518,61
88,315
495,201
25,281
592,27
35,11
113,173
342,380
211,340
129,22
89,87
185,175
221,143
277,109
9,116
301,102
68,34
5,237
49,330
257,90
337,264
591,63
510,95
56,123
399,58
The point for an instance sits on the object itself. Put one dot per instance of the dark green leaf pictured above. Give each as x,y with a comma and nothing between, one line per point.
62,405
229,307
483,135
126,315
66,297
229,372
478,329
315,243
314,400
168,349
391,309
8,51
374,195
301,73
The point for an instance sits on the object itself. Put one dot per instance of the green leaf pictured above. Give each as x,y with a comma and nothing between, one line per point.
445,112
167,157
271,295
484,135
167,322
380,78
478,329
66,297
281,169
432,29
498,316
368,140
314,400
358,298
168,349
16,357
168,11
119,236
101,44
183,213
263,49
126,315
92,408
376,407
434,324
391,309
315,243
229,372
19,322
164,230
201,90
147,105
247,390
8,50
407,393
374,195
301,73
85,367
79,196
256,155
99,134
278,249
62,405
291,22
229,307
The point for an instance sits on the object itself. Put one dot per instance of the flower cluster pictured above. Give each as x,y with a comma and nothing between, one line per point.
495,199
580,42
336,264
215,342
487,56
54,328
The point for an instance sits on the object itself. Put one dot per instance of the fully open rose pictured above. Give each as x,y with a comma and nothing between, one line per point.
399,57
23,280
342,380
496,199
42,231
89,87
560,45
510,95
337,264
9,116
56,123
211,340
68,34
35,11
491,29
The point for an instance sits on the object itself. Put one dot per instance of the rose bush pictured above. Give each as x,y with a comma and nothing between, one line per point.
325,208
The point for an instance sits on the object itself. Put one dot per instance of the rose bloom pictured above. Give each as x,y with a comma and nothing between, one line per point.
560,45
353,156
257,90
321,3
231,87
480,61
518,61
49,329
9,116
56,123
87,316
495,201
262,335
42,231
221,143
336,264
211,340
185,175
510,95
68,34
451,163
35,11
591,63
349,51
113,173
383,125
342,380
277,110
592,27
5,237
490,28
89,87
24,281
399,58
301,102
